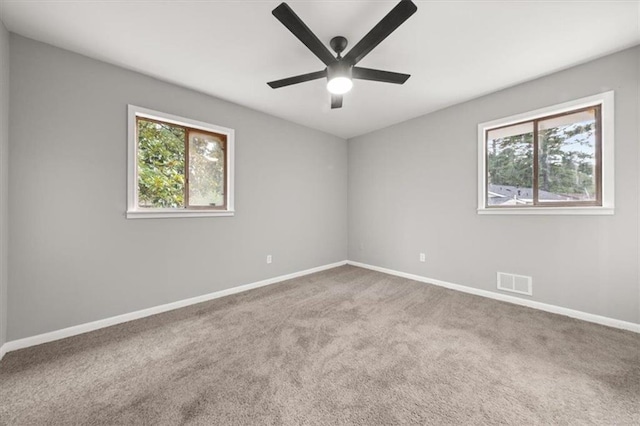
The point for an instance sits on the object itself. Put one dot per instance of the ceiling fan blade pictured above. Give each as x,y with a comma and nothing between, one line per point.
299,29
386,26
379,75
336,101
297,79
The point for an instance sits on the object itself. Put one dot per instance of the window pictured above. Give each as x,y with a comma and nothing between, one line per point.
178,167
556,160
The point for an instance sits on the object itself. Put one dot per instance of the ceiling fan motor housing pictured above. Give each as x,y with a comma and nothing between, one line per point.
339,69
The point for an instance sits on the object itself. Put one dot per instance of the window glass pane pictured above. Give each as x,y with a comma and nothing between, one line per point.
206,169
567,158
161,155
510,165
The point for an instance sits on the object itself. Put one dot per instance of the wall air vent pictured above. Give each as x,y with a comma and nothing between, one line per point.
513,283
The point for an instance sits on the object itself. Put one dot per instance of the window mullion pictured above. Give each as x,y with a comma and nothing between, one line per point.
186,167
598,149
536,168
486,171
225,171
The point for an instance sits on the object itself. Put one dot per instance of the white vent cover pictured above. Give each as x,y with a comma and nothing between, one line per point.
520,284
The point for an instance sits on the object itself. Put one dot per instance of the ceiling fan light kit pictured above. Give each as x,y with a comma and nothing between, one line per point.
339,78
340,71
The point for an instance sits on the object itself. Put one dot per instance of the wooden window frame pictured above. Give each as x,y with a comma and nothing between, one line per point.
603,104
224,135
536,166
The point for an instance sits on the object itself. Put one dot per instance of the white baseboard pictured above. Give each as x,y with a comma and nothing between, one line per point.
95,325
598,319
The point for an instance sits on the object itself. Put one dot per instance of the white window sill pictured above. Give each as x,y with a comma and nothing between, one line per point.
579,211
167,213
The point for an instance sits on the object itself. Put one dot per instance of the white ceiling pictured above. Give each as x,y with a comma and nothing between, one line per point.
455,50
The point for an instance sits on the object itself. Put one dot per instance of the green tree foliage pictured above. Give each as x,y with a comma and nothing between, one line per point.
511,161
566,159
161,163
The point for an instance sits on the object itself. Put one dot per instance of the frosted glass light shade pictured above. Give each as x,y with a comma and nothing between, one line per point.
339,85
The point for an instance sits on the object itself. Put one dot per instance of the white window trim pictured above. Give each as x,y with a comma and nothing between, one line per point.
133,211
606,99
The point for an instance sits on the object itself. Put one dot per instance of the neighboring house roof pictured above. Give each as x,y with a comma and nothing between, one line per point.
512,195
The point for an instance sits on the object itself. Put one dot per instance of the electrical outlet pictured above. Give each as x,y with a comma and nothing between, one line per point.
269,258
423,257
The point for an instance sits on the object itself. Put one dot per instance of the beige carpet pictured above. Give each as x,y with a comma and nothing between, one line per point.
344,346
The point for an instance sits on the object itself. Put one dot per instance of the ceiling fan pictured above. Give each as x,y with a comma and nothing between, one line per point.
340,70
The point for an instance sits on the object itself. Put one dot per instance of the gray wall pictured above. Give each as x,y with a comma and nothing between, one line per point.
75,258
4,174
412,188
